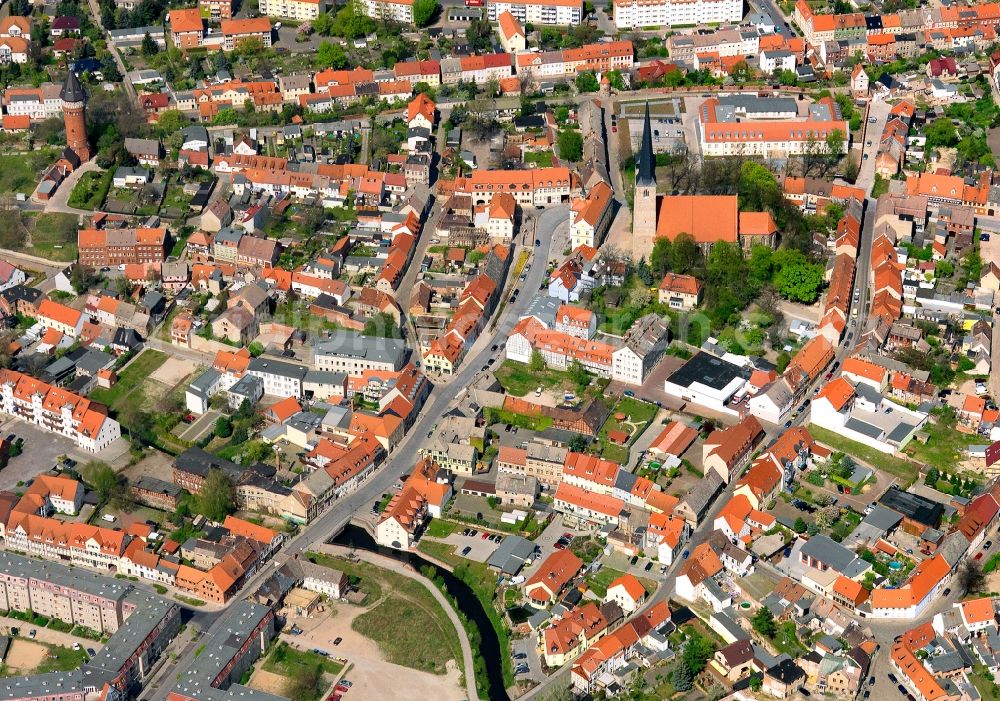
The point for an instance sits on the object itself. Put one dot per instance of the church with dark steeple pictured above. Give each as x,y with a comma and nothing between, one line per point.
644,202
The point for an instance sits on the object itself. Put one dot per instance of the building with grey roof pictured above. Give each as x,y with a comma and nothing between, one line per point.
199,393
512,555
281,379
352,353
822,552
246,630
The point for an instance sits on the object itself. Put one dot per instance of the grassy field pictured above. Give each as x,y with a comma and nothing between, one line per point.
439,528
638,416
289,661
53,236
22,172
131,377
600,582
91,189
404,618
944,446
786,641
518,379
60,659
543,159
905,471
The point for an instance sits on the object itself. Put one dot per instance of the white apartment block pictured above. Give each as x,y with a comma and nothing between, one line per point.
634,14
392,10
57,410
38,103
301,10
563,12
280,379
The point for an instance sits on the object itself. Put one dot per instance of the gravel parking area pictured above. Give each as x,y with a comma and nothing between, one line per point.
41,448
199,427
480,549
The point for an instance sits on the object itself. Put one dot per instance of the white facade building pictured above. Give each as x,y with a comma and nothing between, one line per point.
633,14
564,12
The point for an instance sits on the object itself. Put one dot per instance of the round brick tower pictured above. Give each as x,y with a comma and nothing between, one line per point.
74,106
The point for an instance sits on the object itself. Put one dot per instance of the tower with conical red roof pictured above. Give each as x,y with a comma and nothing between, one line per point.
74,106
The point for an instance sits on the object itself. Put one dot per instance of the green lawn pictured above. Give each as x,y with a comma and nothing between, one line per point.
785,640
22,172
532,423
53,236
439,528
60,659
638,415
944,445
289,661
404,618
905,471
519,380
131,377
983,681
543,159
600,582
91,189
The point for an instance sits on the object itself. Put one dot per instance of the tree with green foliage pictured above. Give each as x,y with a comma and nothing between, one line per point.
659,258
800,525
102,478
330,55
217,498
223,427
587,82
578,375
756,682
256,349
681,678
382,325
697,651
932,477
570,145
616,80
763,622
941,132
537,363
425,12
685,256
799,282
149,47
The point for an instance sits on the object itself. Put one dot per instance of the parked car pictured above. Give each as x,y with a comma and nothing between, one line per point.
338,641
466,550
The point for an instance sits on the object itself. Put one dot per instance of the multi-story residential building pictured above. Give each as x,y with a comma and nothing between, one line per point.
531,187
353,354
280,379
246,631
217,9
634,14
39,103
111,247
235,31
727,450
565,12
65,320
575,321
56,410
187,28
391,10
615,55
476,69
645,343
590,217
76,597
300,10
426,71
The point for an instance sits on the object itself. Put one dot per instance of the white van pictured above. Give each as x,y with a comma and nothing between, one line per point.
110,518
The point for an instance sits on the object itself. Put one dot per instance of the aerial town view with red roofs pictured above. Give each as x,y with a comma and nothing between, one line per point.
481,350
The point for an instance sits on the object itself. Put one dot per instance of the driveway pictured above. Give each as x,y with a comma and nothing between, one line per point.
59,201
